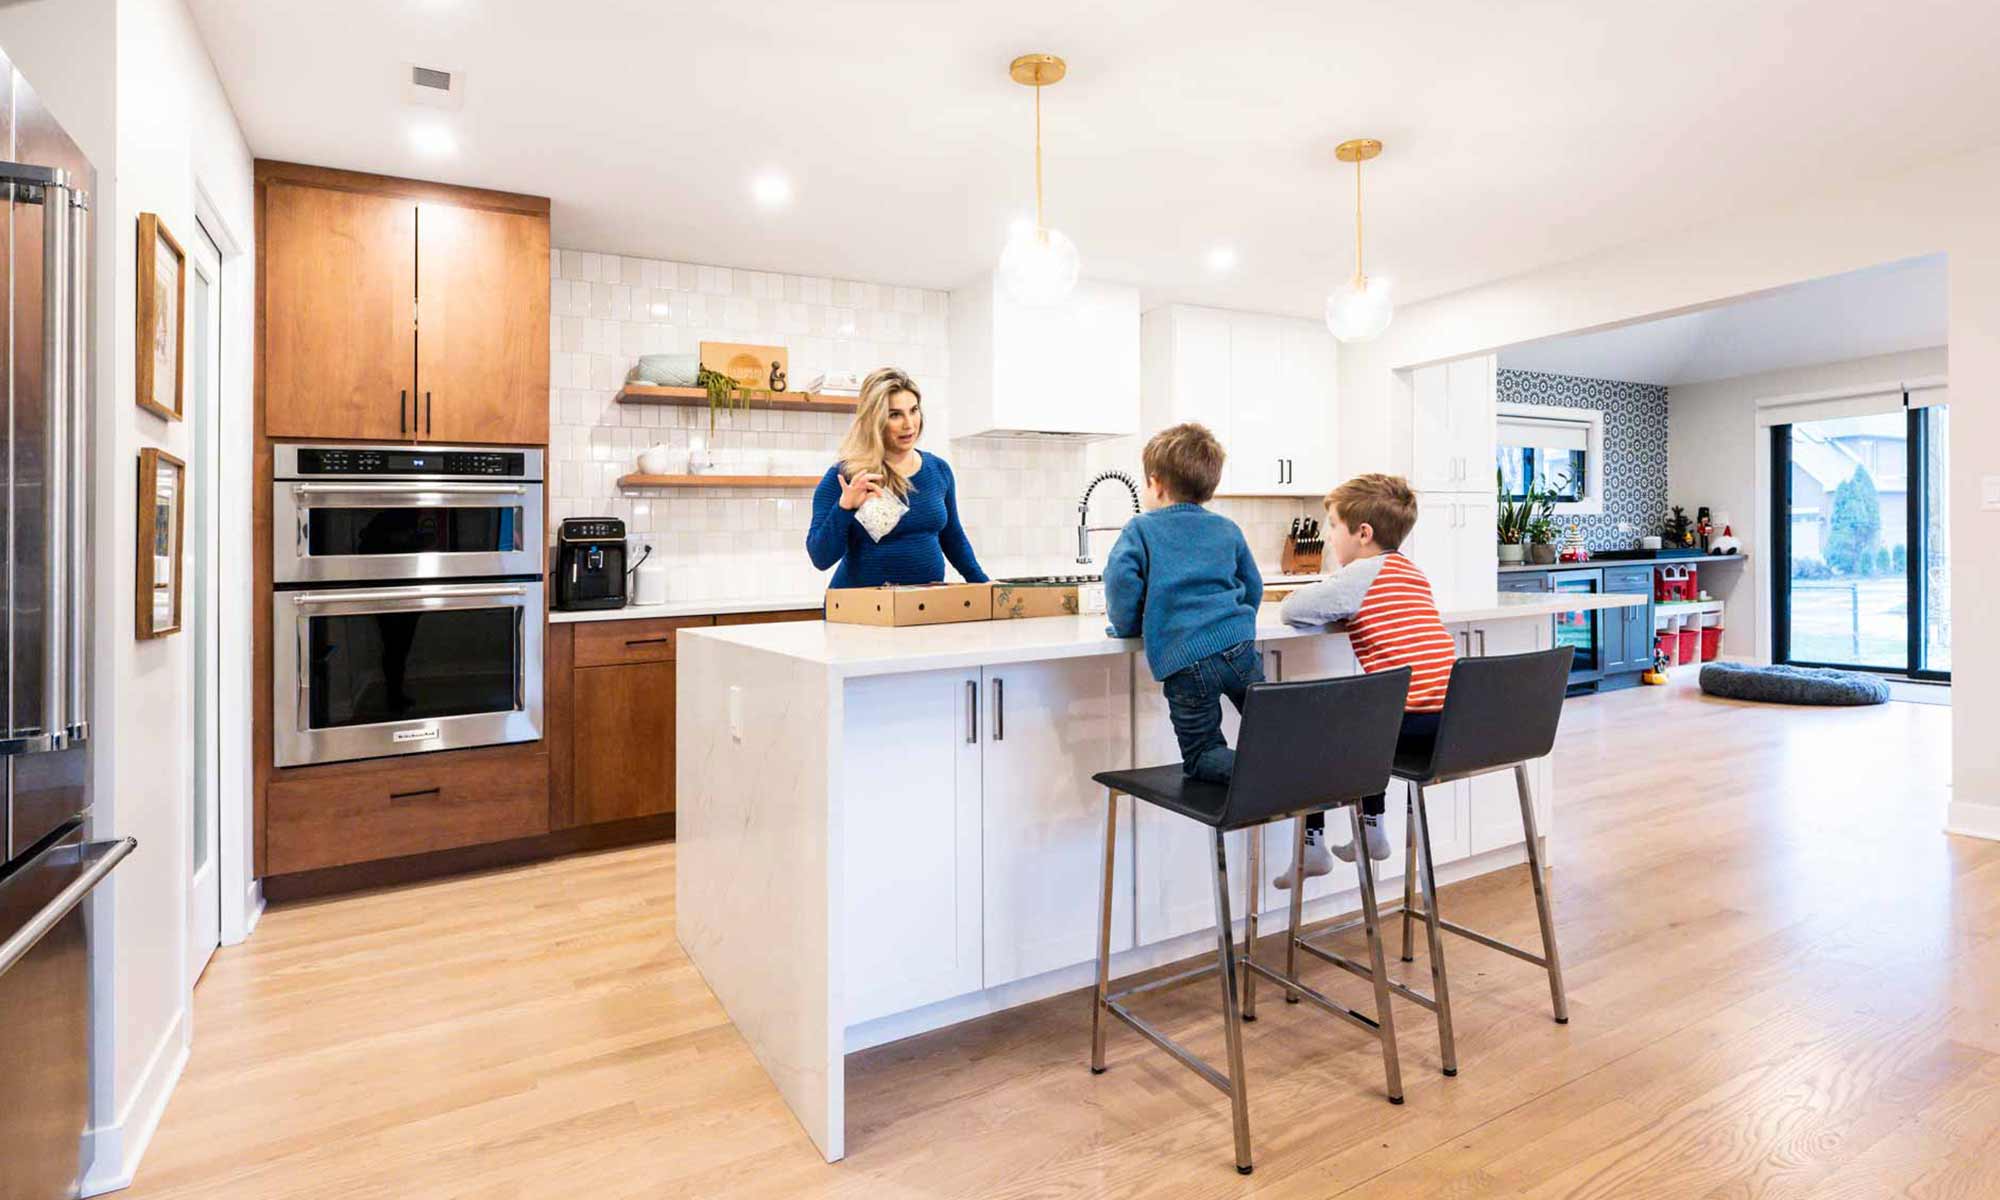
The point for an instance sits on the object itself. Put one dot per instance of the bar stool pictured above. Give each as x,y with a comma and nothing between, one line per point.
1499,713
1303,747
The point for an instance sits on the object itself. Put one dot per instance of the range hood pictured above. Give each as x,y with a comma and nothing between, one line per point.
1067,372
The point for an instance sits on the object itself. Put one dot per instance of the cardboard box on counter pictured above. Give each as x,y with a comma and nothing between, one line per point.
920,604
1016,600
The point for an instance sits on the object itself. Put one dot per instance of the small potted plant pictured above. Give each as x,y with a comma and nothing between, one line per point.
1512,525
1542,541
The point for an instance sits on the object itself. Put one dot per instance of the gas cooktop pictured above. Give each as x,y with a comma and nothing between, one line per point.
1051,580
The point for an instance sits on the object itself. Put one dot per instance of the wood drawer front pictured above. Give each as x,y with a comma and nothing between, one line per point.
409,807
771,618
614,643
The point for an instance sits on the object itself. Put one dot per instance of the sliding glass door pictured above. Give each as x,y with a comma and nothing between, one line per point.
1862,536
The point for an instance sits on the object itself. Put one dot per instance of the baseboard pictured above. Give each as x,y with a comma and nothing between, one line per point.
253,911
1973,820
113,1151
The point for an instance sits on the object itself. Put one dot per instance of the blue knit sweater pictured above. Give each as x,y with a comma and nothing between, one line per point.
914,551
1182,577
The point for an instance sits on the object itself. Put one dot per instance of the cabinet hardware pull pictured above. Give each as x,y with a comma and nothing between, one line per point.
971,712
1277,666
427,414
402,408
1482,642
999,711
395,797
652,641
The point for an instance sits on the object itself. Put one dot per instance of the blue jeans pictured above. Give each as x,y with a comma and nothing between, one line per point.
1194,704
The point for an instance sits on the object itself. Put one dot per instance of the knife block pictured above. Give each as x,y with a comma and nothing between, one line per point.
1301,558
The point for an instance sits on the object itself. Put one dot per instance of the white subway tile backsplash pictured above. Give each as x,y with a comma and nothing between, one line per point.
1018,498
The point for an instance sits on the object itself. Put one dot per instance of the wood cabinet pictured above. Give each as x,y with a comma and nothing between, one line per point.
623,741
397,310
1265,385
396,807
339,313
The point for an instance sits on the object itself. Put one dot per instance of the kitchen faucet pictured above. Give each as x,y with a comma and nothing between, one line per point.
1083,526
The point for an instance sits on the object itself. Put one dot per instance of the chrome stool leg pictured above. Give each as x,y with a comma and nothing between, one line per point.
1409,868
1298,903
1252,893
1232,1025
1364,868
1421,854
1557,997
1104,937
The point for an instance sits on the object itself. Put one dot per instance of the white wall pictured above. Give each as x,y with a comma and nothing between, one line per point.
132,83
1716,455
1943,206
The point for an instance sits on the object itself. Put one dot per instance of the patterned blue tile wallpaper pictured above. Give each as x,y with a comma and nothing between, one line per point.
1635,447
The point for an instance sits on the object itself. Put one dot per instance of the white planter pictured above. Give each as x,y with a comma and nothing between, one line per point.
1510,555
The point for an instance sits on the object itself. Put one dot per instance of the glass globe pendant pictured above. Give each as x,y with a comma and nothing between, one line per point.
1361,308
1038,267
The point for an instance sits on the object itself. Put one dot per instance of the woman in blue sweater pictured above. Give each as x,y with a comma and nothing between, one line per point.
879,468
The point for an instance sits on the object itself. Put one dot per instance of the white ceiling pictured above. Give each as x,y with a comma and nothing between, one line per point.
1518,134
1881,310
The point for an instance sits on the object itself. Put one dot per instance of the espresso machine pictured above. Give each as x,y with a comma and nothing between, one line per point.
590,564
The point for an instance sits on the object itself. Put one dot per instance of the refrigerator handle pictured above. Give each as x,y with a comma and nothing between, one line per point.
79,459
56,387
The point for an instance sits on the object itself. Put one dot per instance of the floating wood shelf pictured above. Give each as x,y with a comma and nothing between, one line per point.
723,481
694,397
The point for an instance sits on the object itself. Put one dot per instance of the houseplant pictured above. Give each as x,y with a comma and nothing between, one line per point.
1542,540
1512,524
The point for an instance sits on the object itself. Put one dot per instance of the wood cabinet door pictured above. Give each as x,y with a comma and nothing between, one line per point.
622,732
339,313
482,325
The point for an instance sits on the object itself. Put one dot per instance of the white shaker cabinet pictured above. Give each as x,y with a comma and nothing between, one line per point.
1266,385
1452,426
1047,728
911,850
1493,806
1455,544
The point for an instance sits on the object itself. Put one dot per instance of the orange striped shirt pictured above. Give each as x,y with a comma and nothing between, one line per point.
1397,625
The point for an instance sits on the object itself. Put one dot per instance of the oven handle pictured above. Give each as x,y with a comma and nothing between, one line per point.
410,488
391,595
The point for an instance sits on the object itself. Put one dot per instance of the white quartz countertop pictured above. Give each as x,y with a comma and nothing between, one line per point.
856,650
784,603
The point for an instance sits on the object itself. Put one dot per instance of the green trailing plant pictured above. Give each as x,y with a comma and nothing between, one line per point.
726,394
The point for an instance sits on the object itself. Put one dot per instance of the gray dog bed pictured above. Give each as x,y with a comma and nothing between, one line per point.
1792,685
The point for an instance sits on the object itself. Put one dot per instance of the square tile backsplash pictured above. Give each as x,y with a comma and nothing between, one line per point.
1016,497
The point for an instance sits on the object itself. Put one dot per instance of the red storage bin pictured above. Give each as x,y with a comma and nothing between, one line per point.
1711,642
1690,649
1666,643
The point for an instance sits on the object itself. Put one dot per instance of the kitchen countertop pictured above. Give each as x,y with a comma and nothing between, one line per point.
1625,562
859,650
781,603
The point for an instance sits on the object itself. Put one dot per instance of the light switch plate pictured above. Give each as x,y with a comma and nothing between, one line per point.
1989,492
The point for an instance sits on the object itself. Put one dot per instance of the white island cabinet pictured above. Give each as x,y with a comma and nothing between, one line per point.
884,831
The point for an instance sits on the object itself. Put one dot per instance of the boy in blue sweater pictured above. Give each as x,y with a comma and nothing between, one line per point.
1182,578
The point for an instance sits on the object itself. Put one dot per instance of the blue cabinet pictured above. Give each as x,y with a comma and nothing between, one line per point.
1613,645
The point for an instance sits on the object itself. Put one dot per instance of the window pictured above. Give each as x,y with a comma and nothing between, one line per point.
1560,450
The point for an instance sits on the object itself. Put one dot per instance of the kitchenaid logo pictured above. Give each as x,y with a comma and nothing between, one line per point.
426,734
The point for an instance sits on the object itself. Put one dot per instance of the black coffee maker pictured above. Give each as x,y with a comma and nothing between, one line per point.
590,563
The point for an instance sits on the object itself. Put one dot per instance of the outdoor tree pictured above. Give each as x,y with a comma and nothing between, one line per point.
1855,527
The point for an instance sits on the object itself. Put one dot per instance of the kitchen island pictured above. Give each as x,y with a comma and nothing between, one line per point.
884,831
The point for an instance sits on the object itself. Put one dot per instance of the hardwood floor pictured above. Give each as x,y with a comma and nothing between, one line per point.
1784,981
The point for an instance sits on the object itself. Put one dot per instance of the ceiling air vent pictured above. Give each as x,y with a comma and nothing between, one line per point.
434,87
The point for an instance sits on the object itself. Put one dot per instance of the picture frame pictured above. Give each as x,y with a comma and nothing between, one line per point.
162,521
161,350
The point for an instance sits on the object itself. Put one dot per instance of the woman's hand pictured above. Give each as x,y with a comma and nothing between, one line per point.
856,491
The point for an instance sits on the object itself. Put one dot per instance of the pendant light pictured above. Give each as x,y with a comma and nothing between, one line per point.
1360,308
1038,267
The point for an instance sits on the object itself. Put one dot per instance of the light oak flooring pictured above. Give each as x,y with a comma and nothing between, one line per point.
1784,981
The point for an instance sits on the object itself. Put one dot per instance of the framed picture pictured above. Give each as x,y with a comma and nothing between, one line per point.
162,492
162,344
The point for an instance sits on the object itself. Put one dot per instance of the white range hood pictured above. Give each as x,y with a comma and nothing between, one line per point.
1069,371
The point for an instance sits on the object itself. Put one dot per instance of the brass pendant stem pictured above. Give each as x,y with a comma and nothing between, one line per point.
1359,275
1039,226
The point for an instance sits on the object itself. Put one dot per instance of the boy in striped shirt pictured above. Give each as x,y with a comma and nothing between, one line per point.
1391,620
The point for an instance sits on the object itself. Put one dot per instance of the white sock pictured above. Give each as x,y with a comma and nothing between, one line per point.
1378,840
1317,860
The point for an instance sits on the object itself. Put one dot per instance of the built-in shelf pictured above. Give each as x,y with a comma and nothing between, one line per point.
719,481
1680,561
694,397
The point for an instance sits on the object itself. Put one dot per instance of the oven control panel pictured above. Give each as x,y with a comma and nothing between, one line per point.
350,460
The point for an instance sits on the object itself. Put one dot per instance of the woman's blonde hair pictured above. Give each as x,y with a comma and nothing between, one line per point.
866,446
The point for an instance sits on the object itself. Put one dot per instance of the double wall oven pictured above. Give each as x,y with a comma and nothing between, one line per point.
408,603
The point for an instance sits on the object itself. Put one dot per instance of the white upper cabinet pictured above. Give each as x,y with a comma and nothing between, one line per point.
1068,370
1266,385
1451,426
1455,543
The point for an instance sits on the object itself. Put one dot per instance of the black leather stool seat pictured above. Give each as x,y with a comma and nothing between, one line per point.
1173,789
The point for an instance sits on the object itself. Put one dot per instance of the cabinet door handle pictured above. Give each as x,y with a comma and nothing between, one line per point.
1277,666
999,711
400,797
1482,642
651,641
402,408
427,414
971,711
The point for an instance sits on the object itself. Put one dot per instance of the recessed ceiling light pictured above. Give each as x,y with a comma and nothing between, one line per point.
433,139
1222,258
771,190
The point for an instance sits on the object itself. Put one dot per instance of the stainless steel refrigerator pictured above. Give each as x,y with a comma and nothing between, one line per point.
48,867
